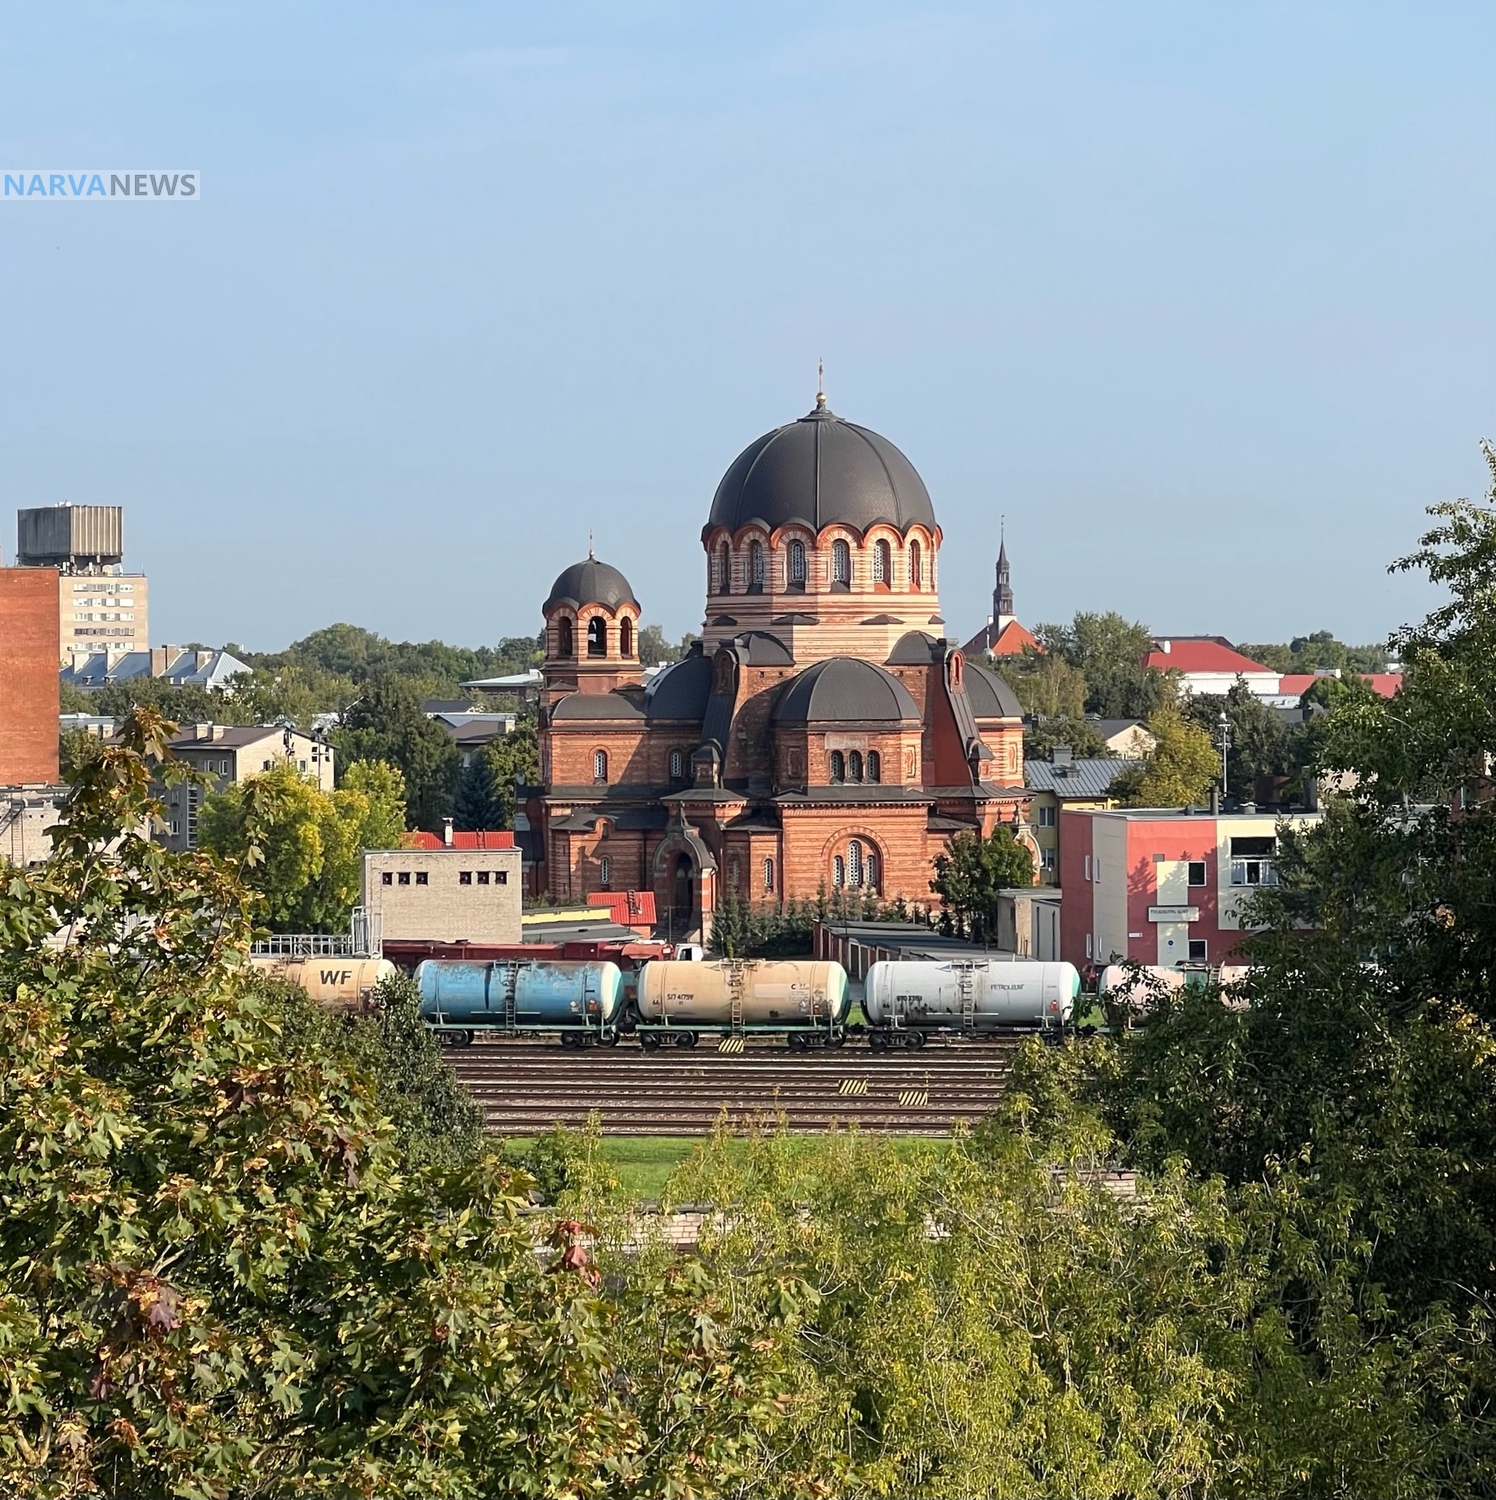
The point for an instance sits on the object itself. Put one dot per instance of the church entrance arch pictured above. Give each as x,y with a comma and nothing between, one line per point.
684,882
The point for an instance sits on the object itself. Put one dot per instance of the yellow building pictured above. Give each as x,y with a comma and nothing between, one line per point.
1063,781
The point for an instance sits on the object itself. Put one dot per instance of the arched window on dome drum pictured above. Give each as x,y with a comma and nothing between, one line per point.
755,567
565,641
870,872
838,766
841,563
854,766
838,871
797,565
597,636
625,637
677,765
768,874
722,571
916,567
604,870
854,864
882,563
599,765
874,766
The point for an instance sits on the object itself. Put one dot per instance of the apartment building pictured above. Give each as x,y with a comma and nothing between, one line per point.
1162,886
1065,781
99,604
227,754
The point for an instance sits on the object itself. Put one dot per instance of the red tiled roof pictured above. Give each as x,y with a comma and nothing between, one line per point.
627,908
1203,654
1299,683
482,838
1013,640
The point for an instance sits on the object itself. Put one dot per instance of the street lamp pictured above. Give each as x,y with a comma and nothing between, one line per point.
1224,725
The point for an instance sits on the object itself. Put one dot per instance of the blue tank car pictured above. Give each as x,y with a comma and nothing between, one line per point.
581,1002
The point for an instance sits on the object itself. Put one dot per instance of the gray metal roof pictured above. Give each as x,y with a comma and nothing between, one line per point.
757,648
915,649
591,582
843,690
1089,777
680,691
990,697
818,470
596,706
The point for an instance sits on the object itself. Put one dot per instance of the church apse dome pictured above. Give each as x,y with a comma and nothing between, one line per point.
590,582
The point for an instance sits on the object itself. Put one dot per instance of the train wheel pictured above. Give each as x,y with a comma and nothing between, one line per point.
795,1041
608,1039
915,1039
649,1041
877,1041
837,1039
466,1038
686,1039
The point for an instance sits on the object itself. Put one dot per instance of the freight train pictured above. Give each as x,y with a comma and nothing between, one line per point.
341,984
674,1003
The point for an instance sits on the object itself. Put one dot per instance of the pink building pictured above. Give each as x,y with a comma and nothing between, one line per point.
1161,885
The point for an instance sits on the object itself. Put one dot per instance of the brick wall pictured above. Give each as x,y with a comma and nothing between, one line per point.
29,634
443,907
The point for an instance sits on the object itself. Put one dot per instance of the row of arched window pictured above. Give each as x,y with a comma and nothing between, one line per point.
856,870
852,765
597,637
735,873
755,578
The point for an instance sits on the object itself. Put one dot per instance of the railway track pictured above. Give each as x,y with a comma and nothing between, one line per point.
526,1086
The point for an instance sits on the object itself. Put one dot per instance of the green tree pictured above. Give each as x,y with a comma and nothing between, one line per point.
300,848
1082,735
387,724
1261,744
485,790
1045,682
1109,653
1178,771
1319,652
972,872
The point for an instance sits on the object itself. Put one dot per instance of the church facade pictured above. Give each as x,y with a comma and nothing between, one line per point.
823,733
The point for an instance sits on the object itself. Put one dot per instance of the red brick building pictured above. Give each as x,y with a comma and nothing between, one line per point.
823,732
29,614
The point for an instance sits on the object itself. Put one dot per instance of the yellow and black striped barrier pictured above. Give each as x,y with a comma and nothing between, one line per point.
730,1044
914,1098
853,1086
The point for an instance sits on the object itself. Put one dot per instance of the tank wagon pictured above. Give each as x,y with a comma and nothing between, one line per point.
907,1000
1128,996
583,1003
345,985
804,1001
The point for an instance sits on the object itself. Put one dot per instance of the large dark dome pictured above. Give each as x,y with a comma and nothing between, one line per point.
844,690
819,470
591,582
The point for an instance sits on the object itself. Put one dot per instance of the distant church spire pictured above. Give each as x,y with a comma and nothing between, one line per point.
1002,595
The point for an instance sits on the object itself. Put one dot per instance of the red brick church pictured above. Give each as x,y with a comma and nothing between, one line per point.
825,730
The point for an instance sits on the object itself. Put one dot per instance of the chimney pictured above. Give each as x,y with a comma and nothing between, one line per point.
447,832
1166,647
159,659
202,731
1215,801
1061,755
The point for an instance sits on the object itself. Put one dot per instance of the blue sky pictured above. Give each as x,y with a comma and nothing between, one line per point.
1198,295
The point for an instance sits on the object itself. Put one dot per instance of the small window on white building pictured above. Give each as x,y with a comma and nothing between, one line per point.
1087,876
1088,945
1197,872
1197,950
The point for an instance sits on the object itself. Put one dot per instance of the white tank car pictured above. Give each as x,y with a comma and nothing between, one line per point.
981,996
340,984
763,992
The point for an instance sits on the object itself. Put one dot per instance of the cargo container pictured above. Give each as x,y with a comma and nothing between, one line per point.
906,1000
582,1002
803,1000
